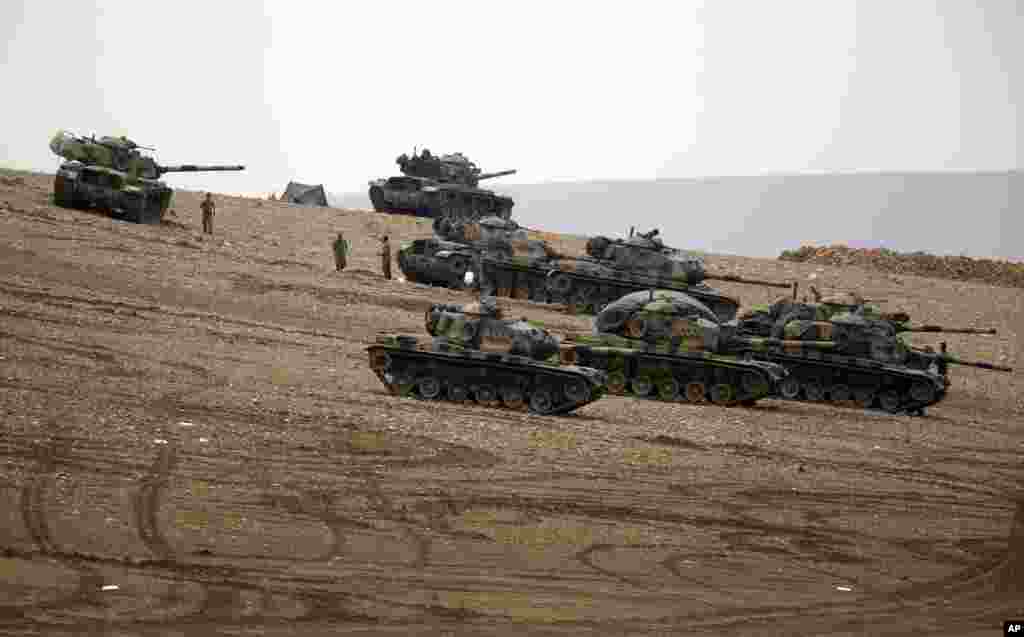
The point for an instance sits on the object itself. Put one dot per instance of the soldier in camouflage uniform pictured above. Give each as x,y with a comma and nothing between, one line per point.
385,257
208,208
341,250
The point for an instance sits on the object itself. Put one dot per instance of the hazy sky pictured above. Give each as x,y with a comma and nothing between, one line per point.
333,92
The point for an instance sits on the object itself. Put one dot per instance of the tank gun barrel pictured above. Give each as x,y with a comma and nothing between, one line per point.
946,358
500,173
758,342
738,279
193,168
944,330
992,366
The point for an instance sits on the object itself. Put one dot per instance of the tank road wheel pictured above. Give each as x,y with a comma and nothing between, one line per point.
789,388
814,391
668,389
429,387
642,386
889,400
840,393
922,392
723,394
616,383
485,395
458,393
541,402
512,397
864,397
696,392
577,391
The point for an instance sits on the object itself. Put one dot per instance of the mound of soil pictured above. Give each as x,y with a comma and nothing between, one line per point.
959,268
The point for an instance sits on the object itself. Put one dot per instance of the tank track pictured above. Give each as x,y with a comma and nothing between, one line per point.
436,370
825,377
637,369
585,293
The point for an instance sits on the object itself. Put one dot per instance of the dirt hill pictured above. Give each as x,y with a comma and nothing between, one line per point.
961,268
192,441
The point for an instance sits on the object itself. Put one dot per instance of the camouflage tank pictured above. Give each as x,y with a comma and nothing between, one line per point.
458,246
432,186
110,173
611,269
870,364
667,345
477,354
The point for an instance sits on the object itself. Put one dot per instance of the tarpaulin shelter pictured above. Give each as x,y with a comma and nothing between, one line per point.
305,194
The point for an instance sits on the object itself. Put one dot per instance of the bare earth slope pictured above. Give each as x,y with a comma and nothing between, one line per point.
192,443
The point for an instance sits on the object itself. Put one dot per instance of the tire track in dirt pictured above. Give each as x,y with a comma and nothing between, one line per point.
148,499
33,508
67,301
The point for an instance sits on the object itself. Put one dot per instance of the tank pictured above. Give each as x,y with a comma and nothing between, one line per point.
432,186
669,346
869,364
477,354
611,269
458,246
111,173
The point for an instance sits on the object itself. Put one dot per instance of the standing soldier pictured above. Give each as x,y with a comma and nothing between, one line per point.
208,208
340,252
385,257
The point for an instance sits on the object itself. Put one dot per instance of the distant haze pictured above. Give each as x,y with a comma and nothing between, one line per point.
331,92
977,214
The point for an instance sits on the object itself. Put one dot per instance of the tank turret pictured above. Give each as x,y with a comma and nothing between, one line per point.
437,186
482,326
454,168
680,322
459,245
646,252
121,154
